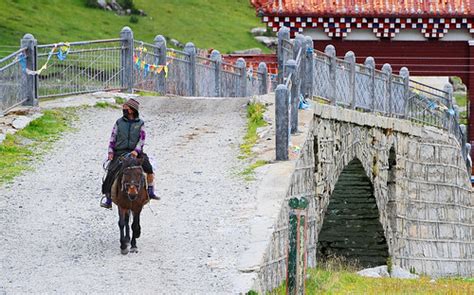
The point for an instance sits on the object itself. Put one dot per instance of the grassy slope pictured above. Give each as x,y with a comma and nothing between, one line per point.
344,282
19,149
220,24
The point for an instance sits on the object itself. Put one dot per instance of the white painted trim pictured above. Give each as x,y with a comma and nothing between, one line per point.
471,42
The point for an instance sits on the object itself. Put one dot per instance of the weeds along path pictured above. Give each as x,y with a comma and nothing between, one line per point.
56,238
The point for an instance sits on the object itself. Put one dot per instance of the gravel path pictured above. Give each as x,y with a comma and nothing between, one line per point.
56,238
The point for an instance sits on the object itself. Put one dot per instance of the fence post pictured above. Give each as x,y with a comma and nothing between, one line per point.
283,34
387,70
29,86
282,136
308,76
351,59
296,269
217,59
297,45
370,64
190,49
330,51
290,69
160,52
263,73
448,88
405,74
241,64
127,59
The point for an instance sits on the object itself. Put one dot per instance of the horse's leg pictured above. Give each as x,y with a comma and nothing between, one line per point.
136,231
124,216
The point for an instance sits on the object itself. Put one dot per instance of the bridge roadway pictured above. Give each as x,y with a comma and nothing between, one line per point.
56,238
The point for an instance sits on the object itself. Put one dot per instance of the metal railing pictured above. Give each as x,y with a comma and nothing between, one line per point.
186,73
344,83
12,79
39,71
79,67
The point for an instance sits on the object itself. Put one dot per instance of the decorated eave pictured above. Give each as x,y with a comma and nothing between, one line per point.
337,18
382,27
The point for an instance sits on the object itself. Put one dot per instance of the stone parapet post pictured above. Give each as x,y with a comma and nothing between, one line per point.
242,65
160,55
263,74
217,59
387,70
282,134
29,86
283,34
405,74
351,59
308,74
290,73
190,49
330,51
126,60
370,64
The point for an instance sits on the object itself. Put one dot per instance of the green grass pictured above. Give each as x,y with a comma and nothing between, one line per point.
120,100
219,24
322,281
255,120
105,105
249,172
148,93
461,98
18,150
337,275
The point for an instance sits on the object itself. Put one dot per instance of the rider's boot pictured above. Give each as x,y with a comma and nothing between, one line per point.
151,192
106,202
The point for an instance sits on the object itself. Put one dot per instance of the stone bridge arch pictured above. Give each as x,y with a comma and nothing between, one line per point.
420,184
343,152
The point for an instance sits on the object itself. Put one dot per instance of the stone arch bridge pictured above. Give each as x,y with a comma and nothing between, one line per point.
377,187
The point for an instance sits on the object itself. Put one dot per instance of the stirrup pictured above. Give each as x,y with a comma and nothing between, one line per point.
105,204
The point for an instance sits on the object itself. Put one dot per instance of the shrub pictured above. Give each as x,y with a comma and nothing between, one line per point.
126,4
91,3
134,19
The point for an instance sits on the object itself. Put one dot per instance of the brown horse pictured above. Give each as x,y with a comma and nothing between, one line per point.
130,195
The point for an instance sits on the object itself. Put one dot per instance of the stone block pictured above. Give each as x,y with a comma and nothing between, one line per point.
417,171
446,155
427,192
446,231
435,174
427,153
21,122
413,191
412,150
425,231
413,230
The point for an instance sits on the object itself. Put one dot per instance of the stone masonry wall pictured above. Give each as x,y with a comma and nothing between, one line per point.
424,197
273,269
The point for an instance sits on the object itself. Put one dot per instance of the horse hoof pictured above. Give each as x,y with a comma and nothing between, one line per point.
134,250
124,251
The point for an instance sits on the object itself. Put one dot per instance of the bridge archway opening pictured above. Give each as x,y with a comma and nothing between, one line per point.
351,226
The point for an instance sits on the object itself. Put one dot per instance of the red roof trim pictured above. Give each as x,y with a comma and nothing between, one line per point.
412,8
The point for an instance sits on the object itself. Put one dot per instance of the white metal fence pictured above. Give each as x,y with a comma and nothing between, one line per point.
38,71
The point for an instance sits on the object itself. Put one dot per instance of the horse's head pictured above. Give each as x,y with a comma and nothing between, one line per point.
133,179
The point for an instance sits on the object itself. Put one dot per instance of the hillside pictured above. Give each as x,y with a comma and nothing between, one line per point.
220,24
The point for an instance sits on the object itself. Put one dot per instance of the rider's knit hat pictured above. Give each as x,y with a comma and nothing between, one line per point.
133,104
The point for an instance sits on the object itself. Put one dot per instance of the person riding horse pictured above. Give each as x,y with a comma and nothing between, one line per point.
128,136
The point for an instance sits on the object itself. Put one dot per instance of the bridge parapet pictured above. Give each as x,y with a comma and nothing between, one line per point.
344,83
